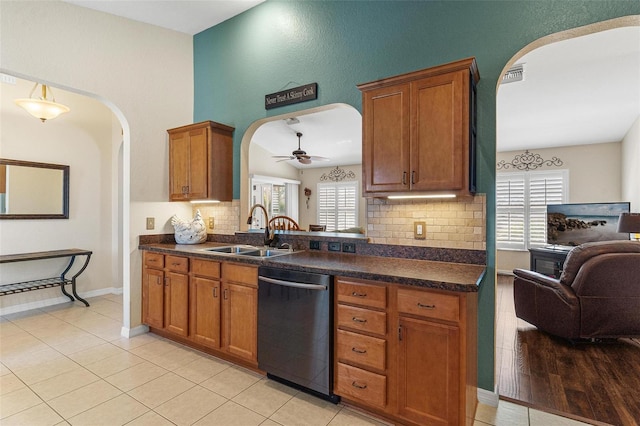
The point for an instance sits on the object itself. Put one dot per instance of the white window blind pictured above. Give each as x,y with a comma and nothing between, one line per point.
521,206
338,205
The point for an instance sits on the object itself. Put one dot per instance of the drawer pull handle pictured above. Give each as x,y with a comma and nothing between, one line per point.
356,385
356,319
359,351
356,294
420,305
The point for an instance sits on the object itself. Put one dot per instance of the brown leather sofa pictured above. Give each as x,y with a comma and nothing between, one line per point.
597,295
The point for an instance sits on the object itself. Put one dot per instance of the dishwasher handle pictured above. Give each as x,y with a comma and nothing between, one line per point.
292,284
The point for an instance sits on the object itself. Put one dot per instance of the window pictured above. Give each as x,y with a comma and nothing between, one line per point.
278,195
338,205
521,206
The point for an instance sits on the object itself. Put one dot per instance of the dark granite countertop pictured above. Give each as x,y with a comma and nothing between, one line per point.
449,276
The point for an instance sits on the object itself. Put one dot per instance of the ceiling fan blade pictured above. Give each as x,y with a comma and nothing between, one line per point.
317,158
288,157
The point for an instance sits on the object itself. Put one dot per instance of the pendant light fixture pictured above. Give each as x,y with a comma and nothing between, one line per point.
42,108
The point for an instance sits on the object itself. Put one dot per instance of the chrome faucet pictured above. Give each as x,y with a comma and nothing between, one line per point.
268,233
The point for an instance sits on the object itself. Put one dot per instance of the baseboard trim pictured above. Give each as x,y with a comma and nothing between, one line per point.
488,398
56,301
133,332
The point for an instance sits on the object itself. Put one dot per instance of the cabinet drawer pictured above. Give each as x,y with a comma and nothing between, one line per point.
205,268
428,304
240,274
362,294
362,319
360,349
153,260
356,383
177,264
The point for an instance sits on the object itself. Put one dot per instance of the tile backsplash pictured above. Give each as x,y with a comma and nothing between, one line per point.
458,224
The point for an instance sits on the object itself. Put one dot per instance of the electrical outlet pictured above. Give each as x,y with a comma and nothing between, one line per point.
334,246
314,245
349,247
419,230
151,223
211,222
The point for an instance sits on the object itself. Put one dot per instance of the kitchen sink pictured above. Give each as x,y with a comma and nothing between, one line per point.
246,250
232,249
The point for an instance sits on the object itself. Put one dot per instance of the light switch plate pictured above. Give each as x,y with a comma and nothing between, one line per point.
211,222
151,223
419,230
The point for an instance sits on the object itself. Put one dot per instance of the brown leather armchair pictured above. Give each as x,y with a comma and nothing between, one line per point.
597,295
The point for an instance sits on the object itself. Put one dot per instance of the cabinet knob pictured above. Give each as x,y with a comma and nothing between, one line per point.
356,294
356,319
356,385
359,351
404,178
215,292
413,177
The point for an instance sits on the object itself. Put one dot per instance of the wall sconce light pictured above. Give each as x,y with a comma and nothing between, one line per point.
307,193
42,108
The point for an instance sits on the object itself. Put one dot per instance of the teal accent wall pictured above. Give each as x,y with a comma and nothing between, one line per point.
338,44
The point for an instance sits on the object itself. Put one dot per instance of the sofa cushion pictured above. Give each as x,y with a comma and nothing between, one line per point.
580,254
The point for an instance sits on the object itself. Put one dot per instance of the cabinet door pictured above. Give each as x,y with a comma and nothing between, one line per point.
240,320
176,306
179,166
385,147
153,297
439,146
429,372
205,311
198,161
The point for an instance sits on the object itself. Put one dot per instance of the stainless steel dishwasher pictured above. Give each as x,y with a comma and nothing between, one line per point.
295,339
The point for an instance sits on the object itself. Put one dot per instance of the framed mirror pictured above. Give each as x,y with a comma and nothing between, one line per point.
31,190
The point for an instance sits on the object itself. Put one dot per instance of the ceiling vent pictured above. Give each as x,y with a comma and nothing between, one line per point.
513,74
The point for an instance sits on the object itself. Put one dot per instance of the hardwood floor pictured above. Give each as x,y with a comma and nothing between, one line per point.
598,383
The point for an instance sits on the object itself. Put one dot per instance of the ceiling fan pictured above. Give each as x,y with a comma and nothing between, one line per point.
300,155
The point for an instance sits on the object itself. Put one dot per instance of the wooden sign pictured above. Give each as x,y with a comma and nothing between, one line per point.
304,93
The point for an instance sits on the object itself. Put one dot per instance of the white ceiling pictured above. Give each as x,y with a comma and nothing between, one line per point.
335,134
579,91
185,16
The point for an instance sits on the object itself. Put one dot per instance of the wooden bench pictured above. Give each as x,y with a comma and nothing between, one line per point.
59,281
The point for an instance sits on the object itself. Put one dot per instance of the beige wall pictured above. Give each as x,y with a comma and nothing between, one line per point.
594,176
631,166
310,178
82,140
144,73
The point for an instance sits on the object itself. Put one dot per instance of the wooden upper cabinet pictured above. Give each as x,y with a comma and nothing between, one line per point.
418,131
387,145
201,162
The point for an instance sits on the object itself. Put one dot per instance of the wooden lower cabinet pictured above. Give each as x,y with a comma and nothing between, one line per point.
211,304
176,303
205,311
406,353
428,358
240,310
165,292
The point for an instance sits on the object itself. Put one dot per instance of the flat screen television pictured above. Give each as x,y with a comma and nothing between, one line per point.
575,224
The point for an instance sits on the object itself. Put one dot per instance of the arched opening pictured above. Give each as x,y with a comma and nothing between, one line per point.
584,159
93,139
353,136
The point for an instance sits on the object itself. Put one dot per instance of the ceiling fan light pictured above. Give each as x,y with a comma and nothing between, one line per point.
305,160
42,108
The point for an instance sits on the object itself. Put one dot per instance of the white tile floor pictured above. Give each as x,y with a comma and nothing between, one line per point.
67,364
